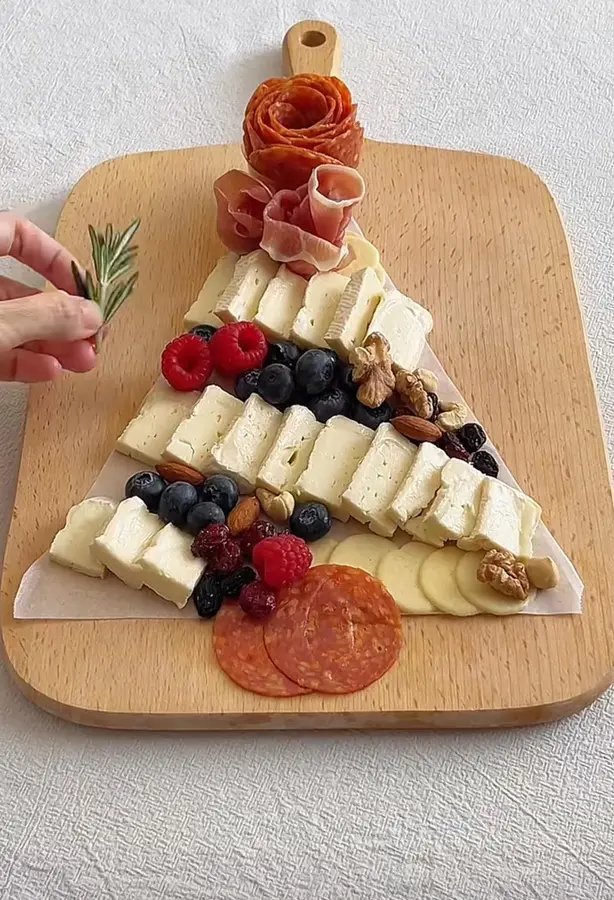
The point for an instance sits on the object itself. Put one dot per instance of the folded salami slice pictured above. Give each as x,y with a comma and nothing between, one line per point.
337,630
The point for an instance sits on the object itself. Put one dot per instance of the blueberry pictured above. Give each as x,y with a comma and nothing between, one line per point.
364,415
299,398
203,514
310,521
148,487
176,502
222,490
247,384
284,352
344,380
334,356
276,384
315,371
205,332
207,595
232,584
333,402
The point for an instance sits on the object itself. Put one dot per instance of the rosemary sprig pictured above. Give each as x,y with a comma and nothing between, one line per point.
113,256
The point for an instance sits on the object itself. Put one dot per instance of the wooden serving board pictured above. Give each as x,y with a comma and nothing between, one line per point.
479,241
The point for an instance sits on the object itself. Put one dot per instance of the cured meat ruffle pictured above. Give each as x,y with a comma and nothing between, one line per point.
292,125
240,200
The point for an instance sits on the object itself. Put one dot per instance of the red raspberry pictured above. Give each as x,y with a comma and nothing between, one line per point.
208,539
186,363
257,600
225,558
281,560
238,347
256,533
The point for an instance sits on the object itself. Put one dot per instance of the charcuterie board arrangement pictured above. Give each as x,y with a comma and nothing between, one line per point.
305,483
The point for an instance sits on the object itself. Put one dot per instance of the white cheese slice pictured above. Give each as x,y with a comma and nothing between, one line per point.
123,541
168,566
145,438
423,530
72,546
396,319
506,520
195,437
239,300
362,253
419,487
288,457
280,304
202,310
377,479
338,450
354,312
241,452
320,303
452,514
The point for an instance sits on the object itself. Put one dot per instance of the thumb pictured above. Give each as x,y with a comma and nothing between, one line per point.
53,316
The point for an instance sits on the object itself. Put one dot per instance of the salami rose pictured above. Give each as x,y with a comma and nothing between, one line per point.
292,125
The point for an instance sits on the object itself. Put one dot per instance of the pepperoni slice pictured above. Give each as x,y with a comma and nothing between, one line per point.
287,166
239,647
337,630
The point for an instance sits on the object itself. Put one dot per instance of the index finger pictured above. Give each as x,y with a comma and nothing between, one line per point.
27,243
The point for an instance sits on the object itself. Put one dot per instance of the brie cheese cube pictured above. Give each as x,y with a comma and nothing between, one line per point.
377,479
202,310
280,303
239,300
354,312
72,546
396,319
506,520
195,437
123,541
338,451
453,512
423,530
168,566
320,303
422,481
241,453
287,459
146,436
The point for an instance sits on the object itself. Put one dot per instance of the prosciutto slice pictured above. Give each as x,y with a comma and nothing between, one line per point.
305,228
241,200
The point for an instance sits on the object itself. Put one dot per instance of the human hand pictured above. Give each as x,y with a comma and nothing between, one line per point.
42,333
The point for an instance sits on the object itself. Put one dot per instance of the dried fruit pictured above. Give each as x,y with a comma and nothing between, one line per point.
243,515
207,596
232,584
278,507
225,558
454,415
472,436
372,370
485,462
505,574
176,471
413,393
436,407
258,532
542,573
417,429
451,445
429,380
257,600
209,538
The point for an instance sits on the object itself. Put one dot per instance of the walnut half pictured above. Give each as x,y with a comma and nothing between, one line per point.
372,370
505,574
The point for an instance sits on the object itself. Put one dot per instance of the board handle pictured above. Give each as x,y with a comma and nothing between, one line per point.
312,46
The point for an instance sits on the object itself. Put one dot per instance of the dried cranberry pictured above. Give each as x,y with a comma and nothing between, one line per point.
209,538
256,533
451,445
257,600
225,558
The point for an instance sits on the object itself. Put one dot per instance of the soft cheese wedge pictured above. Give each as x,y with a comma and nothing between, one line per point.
437,580
361,254
280,304
196,436
424,530
338,450
145,438
361,551
202,310
354,312
452,514
72,546
320,303
481,595
241,297
399,572
420,485
241,452
123,541
506,520
168,566
397,320
287,459
378,478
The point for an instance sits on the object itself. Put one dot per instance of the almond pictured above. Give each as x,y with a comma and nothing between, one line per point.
176,471
243,515
417,429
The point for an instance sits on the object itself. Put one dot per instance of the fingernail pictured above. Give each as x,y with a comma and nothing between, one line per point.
91,314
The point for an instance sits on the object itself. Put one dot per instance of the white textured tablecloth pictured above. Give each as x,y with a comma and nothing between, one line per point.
311,816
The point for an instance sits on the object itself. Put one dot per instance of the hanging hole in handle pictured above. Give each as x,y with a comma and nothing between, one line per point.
313,39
